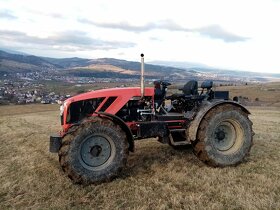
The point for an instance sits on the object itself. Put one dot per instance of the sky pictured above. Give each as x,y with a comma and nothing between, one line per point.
231,34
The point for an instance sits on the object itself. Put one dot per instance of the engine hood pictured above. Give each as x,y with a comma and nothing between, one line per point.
125,93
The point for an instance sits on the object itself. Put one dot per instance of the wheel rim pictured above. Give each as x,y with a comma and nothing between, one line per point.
228,136
97,152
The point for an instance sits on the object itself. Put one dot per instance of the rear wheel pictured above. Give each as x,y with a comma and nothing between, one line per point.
96,152
224,136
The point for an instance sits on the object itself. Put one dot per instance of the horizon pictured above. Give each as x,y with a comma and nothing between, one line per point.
152,62
202,32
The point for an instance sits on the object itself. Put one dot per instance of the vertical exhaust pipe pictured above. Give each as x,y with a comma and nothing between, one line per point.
142,76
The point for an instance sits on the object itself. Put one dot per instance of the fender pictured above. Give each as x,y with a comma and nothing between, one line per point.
123,126
204,109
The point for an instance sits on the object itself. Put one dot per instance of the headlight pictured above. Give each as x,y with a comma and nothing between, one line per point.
61,109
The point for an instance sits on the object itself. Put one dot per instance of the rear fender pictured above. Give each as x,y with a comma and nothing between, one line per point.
204,109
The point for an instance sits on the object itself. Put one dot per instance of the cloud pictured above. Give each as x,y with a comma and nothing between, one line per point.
54,15
65,41
47,14
211,31
121,25
217,32
7,14
155,39
165,24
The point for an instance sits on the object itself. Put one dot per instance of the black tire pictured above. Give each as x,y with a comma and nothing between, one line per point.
224,136
95,152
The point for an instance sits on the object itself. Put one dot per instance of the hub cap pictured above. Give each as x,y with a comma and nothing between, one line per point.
96,152
224,136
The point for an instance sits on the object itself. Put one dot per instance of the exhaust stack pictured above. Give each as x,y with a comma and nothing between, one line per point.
142,76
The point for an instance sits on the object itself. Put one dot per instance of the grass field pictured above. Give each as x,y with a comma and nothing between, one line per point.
156,177
267,93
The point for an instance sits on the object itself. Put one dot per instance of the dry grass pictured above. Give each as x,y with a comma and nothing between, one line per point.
157,177
269,93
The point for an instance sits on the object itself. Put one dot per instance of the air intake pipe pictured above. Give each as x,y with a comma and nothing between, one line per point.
142,85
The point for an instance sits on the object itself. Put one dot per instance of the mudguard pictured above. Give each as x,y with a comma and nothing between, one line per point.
205,107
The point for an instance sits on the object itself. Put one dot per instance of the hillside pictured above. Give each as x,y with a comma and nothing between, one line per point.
11,63
221,74
14,63
68,62
266,94
156,176
103,67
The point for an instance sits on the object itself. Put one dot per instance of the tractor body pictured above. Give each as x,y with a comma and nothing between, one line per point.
100,127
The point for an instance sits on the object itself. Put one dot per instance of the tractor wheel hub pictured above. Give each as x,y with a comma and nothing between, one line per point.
224,136
95,151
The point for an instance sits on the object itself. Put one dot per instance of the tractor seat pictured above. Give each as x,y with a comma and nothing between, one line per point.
190,88
160,92
190,91
208,84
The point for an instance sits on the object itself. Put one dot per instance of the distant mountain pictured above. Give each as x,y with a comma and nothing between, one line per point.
68,62
102,67
217,73
111,67
182,64
72,63
11,63
136,66
13,51
14,63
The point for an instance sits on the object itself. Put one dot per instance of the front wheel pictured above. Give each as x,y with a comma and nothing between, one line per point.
224,136
96,152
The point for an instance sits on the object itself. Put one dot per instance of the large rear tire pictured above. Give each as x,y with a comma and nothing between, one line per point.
96,152
224,136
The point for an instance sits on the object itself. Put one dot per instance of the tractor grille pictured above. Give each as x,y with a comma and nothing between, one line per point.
109,101
81,109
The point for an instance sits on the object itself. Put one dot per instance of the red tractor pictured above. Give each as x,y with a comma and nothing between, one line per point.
100,127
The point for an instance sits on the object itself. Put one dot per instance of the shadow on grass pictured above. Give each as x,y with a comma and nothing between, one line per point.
155,155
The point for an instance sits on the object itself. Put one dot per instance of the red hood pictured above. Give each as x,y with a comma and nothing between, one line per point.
123,95
128,92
